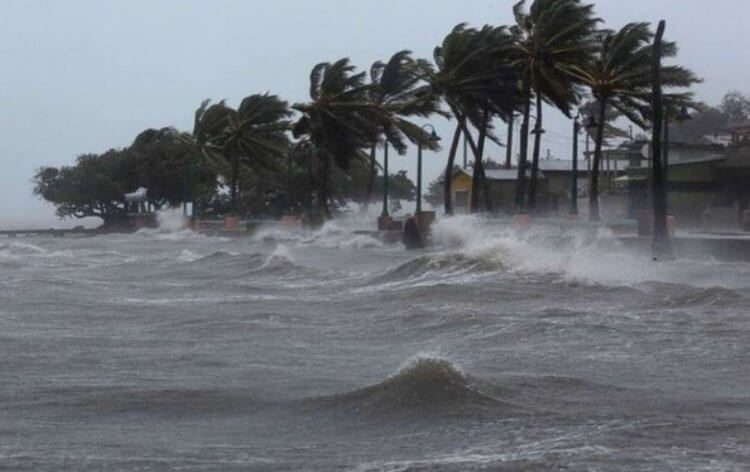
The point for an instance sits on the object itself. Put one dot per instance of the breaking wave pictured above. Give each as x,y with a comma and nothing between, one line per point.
442,263
422,384
591,255
20,249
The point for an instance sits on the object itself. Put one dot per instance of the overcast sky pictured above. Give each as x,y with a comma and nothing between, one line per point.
81,76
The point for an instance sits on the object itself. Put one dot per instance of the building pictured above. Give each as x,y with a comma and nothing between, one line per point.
553,191
502,188
707,184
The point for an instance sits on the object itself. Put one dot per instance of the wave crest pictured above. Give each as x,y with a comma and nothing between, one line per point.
424,384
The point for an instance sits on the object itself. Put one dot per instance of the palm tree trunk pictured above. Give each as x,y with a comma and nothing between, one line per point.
323,171
523,151
594,190
661,245
233,183
476,177
448,200
486,191
533,184
371,180
509,143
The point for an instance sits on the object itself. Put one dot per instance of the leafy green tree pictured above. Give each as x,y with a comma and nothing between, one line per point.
171,167
94,187
736,107
707,121
552,37
619,75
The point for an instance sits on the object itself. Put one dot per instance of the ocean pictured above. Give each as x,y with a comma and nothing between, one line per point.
328,351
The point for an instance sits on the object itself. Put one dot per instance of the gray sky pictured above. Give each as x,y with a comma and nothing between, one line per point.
82,76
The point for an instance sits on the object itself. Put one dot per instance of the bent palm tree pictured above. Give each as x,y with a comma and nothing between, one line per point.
338,120
619,75
395,91
254,135
553,36
473,78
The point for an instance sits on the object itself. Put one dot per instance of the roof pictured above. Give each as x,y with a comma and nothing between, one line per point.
504,174
745,125
500,174
559,165
682,162
698,160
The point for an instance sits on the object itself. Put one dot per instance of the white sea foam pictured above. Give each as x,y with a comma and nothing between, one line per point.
591,255
187,255
280,255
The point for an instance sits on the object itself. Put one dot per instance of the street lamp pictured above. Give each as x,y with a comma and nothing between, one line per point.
434,138
574,179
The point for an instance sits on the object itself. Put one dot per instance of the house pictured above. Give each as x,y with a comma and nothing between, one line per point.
703,182
553,191
502,188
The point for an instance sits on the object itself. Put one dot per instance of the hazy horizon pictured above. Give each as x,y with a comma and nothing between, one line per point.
87,76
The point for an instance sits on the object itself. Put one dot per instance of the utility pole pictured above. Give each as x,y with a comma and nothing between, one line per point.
574,176
662,247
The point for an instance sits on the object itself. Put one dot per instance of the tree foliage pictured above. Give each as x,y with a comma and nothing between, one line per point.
619,75
254,135
736,107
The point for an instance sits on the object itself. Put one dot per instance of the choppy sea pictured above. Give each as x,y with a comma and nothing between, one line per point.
328,351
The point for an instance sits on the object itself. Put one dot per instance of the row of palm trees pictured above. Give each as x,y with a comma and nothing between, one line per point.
556,53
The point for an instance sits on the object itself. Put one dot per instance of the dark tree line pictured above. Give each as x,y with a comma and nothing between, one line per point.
265,156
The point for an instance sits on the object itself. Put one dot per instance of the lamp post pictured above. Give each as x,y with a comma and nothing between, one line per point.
574,177
433,139
385,180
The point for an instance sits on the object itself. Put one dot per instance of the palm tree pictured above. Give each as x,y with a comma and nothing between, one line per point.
473,78
619,75
551,37
339,120
395,90
254,135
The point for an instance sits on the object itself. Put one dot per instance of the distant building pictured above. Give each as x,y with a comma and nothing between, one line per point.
553,191
741,134
704,181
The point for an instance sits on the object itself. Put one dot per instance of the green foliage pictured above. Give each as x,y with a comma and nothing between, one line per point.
337,121
736,107
475,77
472,68
94,187
253,136
553,52
164,161
171,167
619,72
